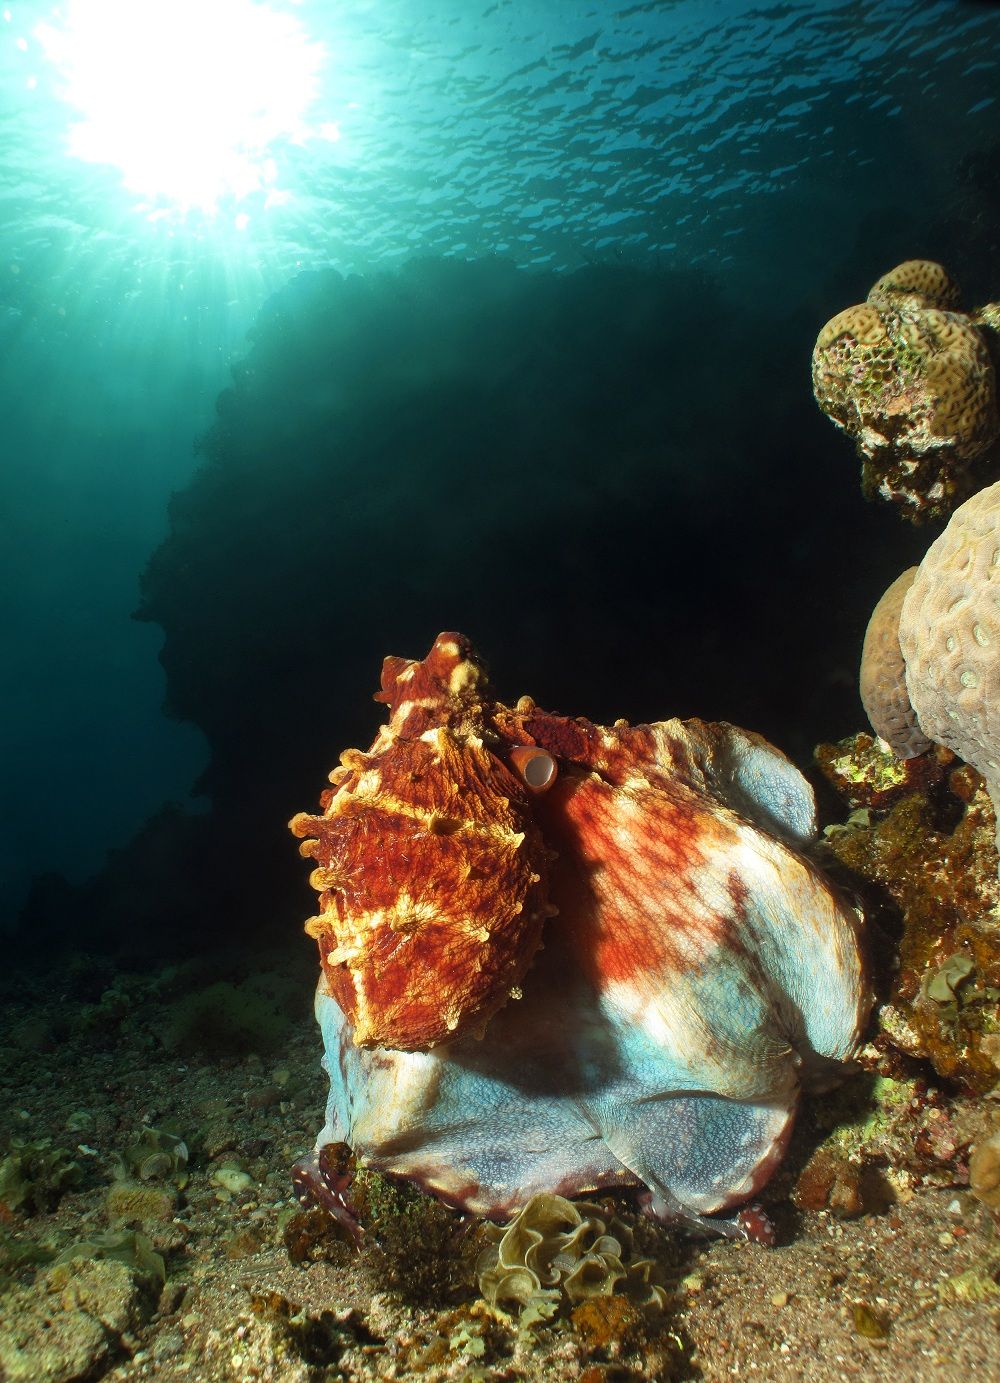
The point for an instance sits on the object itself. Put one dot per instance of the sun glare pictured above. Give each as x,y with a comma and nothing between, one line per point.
190,99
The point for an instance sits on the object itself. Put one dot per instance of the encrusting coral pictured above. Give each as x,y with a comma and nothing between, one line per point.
911,380
919,845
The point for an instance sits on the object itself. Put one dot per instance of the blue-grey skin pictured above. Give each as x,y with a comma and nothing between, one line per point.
682,1082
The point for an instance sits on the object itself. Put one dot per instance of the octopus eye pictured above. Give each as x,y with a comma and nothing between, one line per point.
536,767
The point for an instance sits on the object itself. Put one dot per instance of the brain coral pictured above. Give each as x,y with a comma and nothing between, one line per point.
883,685
912,383
917,283
949,634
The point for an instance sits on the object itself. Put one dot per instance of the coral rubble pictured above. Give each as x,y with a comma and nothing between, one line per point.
919,845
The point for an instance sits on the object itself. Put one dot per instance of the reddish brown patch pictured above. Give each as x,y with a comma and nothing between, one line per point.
610,1323
610,894
565,738
756,1225
431,870
428,685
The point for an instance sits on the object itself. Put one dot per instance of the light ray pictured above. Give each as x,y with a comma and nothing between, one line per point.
189,99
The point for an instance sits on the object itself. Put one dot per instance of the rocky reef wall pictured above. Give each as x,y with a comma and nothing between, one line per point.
616,482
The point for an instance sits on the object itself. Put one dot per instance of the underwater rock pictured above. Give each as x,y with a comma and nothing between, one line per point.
911,381
865,772
72,1323
831,1182
472,435
34,1176
984,1172
697,970
927,868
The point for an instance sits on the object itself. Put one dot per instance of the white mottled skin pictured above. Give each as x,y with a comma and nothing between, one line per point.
682,1079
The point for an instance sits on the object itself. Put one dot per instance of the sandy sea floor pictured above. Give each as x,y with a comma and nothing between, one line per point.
247,1286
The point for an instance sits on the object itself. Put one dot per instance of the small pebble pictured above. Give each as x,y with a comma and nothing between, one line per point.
168,1343
780,1299
264,1098
231,1179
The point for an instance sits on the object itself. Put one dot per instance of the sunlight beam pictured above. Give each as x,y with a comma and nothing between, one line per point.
185,97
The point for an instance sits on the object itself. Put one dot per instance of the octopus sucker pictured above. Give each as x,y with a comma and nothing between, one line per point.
562,956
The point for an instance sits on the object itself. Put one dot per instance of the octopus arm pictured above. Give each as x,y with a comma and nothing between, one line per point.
484,1125
752,777
697,1151
805,937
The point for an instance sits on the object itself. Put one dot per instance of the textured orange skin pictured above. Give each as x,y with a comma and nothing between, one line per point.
434,861
432,872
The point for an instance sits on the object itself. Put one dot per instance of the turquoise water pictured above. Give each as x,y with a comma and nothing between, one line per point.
762,146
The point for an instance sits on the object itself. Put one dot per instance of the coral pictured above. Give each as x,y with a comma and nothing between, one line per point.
949,634
131,1202
159,1154
867,774
563,1252
883,675
34,1176
912,383
691,952
927,868
127,1247
987,319
917,283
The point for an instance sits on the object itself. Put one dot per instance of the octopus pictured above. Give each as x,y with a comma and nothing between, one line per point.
571,958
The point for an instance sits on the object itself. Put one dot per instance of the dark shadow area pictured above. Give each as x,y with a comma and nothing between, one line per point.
615,482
